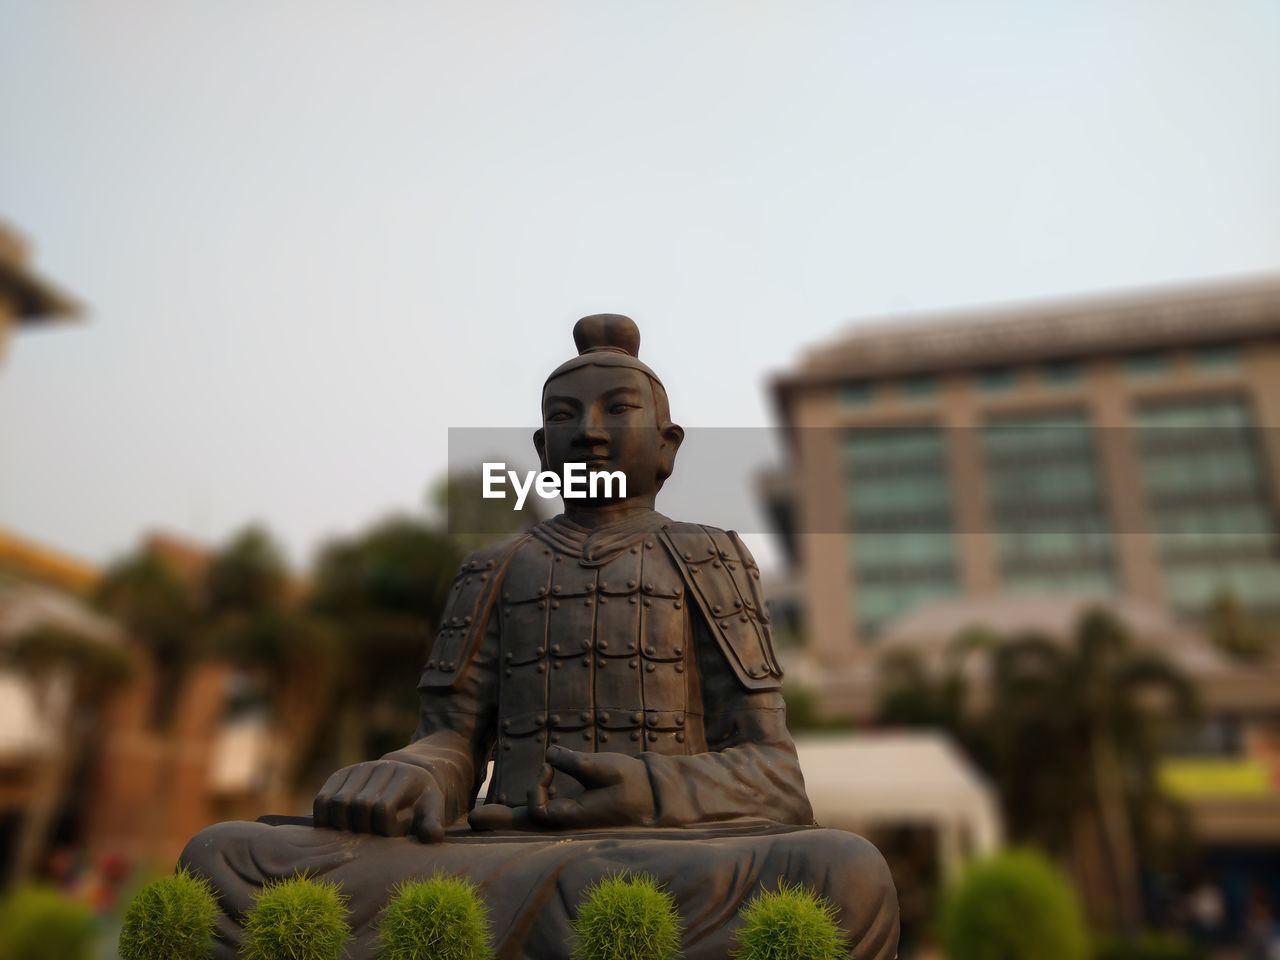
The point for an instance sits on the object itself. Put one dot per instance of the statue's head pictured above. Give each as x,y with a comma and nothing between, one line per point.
608,410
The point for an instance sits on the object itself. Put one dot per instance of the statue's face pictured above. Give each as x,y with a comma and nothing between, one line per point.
606,417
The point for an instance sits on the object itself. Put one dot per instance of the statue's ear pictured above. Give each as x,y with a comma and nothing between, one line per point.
672,437
540,444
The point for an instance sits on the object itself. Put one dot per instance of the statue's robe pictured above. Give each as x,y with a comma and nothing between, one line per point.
647,638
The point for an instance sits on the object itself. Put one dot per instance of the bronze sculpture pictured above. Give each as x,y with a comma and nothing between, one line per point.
618,668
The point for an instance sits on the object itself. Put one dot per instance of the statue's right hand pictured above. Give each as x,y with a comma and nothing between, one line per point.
386,797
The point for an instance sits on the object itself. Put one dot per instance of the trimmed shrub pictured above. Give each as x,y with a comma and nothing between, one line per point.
296,919
442,918
623,918
790,923
170,919
39,923
1014,906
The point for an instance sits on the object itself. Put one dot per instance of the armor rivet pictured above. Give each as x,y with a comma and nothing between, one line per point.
677,650
539,651
510,657
694,569
555,648
650,650
653,719
635,734
546,552
542,604
743,618
648,588
556,665
679,736
634,550
632,600
633,664
542,668
730,566
676,605
604,718
679,719
649,667
466,619
589,588
652,736
542,721
648,603
557,588
679,668
637,717
484,577
603,586
631,583
716,608
558,558
604,599
489,565
586,644
555,718
715,563
724,625
586,602
603,644
555,604
555,738
604,737
506,745
506,724
601,663
586,661
586,734
648,544
540,737
764,668
688,556
502,798
466,581
507,671
585,716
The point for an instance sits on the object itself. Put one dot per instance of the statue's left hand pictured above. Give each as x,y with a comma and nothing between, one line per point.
617,792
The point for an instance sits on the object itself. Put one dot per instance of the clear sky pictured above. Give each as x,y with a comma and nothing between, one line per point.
314,235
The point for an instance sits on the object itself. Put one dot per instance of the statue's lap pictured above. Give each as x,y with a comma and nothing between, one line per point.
532,882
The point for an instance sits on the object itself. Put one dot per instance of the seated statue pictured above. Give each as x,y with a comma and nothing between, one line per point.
618,669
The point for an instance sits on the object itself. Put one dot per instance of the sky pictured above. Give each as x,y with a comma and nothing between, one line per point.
313,236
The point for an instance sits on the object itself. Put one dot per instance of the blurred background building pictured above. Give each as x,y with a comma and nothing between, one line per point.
1007,470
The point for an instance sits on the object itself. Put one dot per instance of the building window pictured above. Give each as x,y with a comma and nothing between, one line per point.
920,387
857,393
1045,495
898,504
1062,373
1208,497
995,380
1220,356
1146,365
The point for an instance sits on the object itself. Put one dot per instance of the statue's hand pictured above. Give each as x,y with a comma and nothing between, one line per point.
386,797
617,791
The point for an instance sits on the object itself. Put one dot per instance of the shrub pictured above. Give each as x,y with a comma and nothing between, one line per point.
296,919
1014,906
438,919
790,923
623,918
39,923
170,919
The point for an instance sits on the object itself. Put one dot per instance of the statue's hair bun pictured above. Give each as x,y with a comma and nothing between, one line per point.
607,331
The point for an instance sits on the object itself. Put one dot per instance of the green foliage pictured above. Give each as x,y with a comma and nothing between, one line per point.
247,575
1234,631
790,923
437,919
39,923
97,667
473,521
1014,906
623,918
296,919
170,919
1151,946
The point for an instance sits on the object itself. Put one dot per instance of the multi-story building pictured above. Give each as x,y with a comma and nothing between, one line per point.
1011,466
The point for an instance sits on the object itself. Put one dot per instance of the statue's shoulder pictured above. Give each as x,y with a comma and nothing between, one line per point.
467,610
724,580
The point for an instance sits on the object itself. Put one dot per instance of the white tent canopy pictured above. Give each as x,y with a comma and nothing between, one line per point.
863,781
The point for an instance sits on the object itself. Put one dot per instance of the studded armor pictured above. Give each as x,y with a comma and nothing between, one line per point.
600,643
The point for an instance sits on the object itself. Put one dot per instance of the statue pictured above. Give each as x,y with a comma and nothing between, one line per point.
617,666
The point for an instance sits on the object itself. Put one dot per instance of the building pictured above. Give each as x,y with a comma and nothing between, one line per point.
1009,467
26,299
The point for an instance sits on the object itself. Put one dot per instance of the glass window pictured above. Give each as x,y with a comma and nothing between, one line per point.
1062,373
857,393
918,388
995,379
1221,356
1145,365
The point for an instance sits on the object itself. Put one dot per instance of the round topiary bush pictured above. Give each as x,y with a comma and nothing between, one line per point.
296,919
170,919
39,923
790,923
622,918
442,918
1015,906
